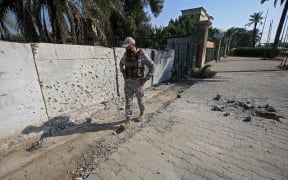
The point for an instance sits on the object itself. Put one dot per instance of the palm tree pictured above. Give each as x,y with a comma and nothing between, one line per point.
50,20
101,12
255,19
82,21
156,6
281,22
21,9
32,21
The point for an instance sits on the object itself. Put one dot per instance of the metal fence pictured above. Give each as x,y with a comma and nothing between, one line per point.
143,42
210,54
186,56
222,51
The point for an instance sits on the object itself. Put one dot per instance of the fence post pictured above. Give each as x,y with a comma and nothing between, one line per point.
202,28
218,51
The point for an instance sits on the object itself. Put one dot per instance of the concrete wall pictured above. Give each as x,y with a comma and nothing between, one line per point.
74,77
164,61
42,81
21,101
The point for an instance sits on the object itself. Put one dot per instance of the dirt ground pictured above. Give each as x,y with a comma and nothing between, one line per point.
61,149
233,126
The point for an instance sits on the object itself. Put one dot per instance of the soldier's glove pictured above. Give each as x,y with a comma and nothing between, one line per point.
142,81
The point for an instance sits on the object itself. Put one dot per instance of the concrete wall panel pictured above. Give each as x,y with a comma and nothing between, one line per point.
118,55
164,61
21,101
62,80
74,77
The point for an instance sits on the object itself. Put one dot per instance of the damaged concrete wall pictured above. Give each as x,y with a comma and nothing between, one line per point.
74,77
21,101
41,81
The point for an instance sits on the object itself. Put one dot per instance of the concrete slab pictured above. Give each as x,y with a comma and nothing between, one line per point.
21,102
164,64
74,77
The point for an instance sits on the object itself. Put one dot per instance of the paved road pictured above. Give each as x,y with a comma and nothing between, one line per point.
187,140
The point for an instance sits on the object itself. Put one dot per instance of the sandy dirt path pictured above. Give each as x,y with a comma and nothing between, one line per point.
71,150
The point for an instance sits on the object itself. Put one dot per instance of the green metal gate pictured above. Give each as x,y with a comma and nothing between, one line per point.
210,54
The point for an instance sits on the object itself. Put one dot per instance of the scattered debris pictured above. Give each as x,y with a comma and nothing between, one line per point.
89,120
217,108
34,146
247,108
118,130
247,119
226,114
268,115
218,97
204,72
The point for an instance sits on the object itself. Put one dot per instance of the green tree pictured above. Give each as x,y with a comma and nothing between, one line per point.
47,20
81,21
135,17
281,22
102,12
240,37
183,25
211,33
254,20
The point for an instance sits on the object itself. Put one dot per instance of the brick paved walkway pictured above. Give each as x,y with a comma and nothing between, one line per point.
190,141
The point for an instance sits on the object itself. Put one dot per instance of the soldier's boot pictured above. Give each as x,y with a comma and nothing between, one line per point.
141,117
127,124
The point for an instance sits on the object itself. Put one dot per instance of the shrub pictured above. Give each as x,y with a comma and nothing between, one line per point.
204,72
253,52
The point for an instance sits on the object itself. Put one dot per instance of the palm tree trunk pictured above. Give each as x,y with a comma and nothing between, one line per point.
280,26
254,34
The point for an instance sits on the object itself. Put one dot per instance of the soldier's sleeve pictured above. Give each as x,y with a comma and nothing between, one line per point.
122,62
149,63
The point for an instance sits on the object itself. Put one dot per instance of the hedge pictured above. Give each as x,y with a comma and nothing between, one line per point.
253,52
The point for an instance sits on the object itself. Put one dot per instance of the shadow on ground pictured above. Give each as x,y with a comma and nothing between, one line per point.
247,71
62,126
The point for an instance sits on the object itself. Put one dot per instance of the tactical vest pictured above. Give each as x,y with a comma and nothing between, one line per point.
134,68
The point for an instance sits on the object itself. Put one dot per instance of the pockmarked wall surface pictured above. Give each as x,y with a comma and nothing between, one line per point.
42,81
21,101
74,77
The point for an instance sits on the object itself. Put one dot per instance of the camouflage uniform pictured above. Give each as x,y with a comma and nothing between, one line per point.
132,66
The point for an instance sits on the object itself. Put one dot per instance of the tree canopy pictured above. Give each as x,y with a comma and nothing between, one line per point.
255,19
78,21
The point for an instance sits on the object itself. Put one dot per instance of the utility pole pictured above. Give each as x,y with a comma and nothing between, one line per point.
280,26
263,25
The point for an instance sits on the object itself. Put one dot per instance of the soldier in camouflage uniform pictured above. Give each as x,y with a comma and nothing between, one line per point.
132,66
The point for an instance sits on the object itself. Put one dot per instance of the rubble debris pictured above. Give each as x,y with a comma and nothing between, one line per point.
218,97
34,146
268,115
226,114
247,119
249,109
217,108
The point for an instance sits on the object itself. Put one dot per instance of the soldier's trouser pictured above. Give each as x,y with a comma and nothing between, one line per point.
131,88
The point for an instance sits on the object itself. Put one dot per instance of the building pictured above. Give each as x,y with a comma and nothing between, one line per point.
200,14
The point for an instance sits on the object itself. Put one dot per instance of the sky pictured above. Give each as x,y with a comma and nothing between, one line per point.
226,13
